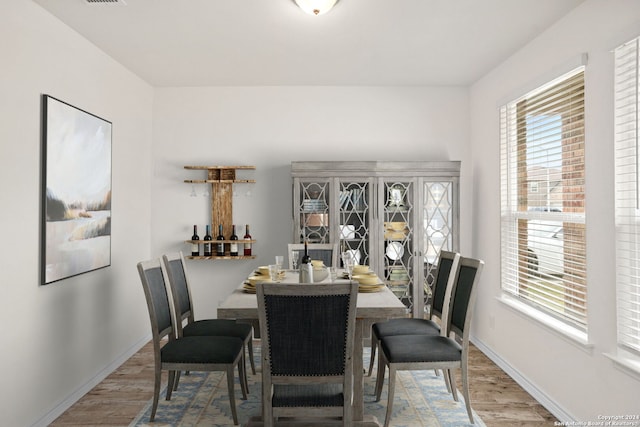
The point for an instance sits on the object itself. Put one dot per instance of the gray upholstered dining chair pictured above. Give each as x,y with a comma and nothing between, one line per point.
181,293
421,352
438,307
195,353
327,252
307,349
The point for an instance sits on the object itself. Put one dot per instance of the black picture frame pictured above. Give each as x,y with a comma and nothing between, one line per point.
76,191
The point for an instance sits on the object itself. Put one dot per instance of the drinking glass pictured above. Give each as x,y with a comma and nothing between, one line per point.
294,259
349,261
333,273
279,261
273,272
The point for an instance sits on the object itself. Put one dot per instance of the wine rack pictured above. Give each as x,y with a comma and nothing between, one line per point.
221,179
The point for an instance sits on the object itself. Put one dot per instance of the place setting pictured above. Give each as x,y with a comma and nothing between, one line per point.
264,273
368,281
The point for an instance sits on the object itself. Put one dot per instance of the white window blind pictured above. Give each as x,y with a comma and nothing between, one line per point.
627,108
543,244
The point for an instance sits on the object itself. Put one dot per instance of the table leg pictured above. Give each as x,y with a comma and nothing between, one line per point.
358,373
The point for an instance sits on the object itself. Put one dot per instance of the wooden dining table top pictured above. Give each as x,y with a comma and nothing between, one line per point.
371,305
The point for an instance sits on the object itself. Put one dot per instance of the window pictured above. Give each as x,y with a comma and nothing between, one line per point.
543,244
627,109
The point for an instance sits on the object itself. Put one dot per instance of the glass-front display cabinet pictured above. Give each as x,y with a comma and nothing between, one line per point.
393,216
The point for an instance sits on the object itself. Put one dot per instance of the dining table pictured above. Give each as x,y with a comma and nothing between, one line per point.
372,305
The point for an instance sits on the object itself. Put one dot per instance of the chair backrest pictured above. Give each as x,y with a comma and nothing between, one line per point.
153,279
177,273
443,284
307,330
327,252
464,295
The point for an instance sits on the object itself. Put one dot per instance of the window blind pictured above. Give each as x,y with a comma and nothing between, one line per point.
543,244
627,108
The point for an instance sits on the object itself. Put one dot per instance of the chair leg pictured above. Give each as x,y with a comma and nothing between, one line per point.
156,393
374,346
465,391
232,398
452,381
175,387
391,393
171,384
251,361
242,375
382,363
447,379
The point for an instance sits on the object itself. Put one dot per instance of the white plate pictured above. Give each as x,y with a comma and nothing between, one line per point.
395,250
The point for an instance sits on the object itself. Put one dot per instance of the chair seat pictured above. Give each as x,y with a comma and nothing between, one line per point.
316,395
405,326
202,350
420,348
217,327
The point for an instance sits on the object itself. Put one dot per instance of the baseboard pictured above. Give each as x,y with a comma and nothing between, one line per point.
552,406
70,400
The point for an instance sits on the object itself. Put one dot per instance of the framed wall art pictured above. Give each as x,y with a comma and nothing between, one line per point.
76,191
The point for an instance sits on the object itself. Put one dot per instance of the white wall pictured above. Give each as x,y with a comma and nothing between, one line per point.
61,338
580,383
269,127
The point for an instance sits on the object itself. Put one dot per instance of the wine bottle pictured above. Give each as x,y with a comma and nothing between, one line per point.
233,247
195,247
306,269
306,259
207,241
247,245
220,245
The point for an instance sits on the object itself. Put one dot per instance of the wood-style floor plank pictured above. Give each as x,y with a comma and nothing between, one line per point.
116,401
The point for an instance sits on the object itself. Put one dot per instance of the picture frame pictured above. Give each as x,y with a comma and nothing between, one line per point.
76,191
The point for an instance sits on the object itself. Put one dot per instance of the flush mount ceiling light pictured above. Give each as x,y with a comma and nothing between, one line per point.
316,7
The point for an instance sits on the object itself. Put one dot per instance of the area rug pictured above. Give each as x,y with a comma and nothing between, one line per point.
421,400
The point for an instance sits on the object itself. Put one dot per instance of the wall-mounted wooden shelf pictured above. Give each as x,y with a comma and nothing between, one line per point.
221,179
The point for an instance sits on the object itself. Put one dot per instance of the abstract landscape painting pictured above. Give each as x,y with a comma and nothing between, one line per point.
76,226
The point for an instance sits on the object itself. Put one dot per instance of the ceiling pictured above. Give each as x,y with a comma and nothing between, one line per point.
272,42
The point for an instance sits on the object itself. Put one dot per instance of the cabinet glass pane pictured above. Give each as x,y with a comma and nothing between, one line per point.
437,227
354,205
314,212
398,239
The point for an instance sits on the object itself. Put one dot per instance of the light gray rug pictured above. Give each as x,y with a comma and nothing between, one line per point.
421,400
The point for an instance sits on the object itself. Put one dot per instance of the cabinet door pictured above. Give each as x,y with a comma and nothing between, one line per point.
439,227
397,223
312,210
355,203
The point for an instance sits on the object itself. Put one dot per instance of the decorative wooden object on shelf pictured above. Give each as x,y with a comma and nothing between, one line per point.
221,179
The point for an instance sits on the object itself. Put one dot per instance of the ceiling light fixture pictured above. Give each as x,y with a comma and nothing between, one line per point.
316,7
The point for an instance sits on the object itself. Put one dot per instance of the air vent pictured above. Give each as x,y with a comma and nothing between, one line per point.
122,2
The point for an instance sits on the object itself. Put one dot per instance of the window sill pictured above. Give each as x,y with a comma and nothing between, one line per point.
627,364
572,335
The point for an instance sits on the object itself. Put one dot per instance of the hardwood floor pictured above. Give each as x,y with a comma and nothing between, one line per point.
116,401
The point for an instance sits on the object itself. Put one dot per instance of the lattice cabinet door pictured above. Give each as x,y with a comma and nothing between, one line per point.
355,202
439,228
398,211
313,220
